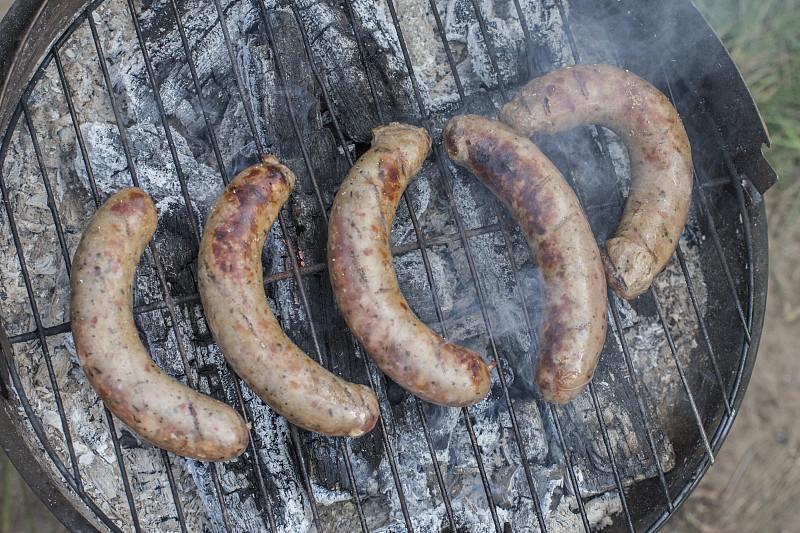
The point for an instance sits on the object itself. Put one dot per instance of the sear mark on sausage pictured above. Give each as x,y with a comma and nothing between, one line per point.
365,284
657,145
231,286
574,321
116,363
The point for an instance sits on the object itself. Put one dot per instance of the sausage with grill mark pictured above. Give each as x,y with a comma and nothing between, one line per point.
365,284
116,363
658,147
574,319
231,287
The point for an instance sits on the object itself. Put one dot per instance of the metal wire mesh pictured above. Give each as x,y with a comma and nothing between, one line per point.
70,470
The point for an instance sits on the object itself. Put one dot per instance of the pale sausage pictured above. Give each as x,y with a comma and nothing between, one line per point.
116,363
365,284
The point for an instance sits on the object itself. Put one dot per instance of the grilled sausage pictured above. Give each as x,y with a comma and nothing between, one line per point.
573,327
365,284
151,403
657,145
232,291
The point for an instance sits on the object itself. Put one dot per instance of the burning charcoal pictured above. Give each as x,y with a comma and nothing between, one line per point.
503,48
344,72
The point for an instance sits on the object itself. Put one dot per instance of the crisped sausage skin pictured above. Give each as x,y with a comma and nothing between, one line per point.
117,365
232,291
574,320
658,147
365,284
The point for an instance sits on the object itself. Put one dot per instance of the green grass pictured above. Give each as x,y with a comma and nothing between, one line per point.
763,38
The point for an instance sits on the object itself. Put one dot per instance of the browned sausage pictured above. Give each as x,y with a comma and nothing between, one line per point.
365,284
231,287
573,326
657,145
151,403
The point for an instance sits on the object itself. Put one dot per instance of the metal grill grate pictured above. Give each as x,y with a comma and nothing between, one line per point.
711,432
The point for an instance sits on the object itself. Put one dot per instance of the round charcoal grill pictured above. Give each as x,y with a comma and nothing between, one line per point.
177,96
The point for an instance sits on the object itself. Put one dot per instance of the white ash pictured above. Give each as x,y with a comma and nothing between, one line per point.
652,357
241,496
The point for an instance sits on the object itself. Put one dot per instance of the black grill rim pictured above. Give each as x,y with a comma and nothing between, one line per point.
753,215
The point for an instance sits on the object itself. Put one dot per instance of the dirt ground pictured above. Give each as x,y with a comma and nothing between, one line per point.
753,487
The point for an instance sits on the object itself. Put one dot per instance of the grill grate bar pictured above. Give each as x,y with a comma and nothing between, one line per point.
226,519
613,463
151,77
362,519
482,470
682,374
636,386
562,12
173,486
65,89
440,30
706,213
118,120
51,202
248,108
198,90
294,433
168,302
448,506
736,182
37,316
303,148
423,250
262,485
351,19
97,201
570,467
126,484
703,330
323,88
389,452
490,49
467,248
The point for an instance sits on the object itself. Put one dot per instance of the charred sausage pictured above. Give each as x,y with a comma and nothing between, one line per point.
232,291
658,147
117,365
574,320
365,284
